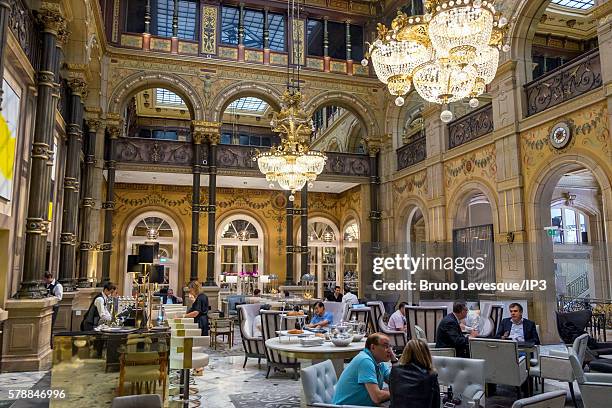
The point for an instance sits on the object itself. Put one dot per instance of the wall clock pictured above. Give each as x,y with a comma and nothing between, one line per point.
560,135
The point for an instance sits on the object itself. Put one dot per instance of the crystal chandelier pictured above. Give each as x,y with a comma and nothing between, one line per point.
292,164
448,54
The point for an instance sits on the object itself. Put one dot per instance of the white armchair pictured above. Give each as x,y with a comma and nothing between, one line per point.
253,345
595,388
397,338
502,362
319,385
466,375
426,318
553,399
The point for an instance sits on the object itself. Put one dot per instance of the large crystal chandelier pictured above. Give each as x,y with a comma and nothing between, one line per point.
450,53
292,164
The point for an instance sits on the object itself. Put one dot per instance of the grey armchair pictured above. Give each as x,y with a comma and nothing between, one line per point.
319,385
466,375
397,338
556,365
426,318
595,388
553,399
502,362
253,345
138,401
270,324
361,314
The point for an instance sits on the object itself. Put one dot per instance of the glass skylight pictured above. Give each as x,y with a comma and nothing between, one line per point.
575,4
168,98
248,104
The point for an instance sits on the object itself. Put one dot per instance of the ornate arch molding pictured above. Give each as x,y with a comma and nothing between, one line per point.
458,197
406,213
349,102
144,80
526,18
225,96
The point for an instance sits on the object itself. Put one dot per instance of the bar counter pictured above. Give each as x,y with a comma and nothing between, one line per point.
89,366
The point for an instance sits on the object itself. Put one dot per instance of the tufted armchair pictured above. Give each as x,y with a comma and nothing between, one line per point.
319,385
270,324
397,338
425,317
595,388
553,399
253,346
466,375
361,314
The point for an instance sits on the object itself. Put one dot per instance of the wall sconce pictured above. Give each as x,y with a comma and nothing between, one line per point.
569,198
510,237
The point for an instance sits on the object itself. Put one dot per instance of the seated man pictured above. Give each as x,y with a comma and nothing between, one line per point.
397,321
361,382
449,331
517,328
321,318
170,299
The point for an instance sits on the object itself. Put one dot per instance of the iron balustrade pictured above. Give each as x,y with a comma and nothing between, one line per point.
475,124
578,76
601,313
24,27
413,152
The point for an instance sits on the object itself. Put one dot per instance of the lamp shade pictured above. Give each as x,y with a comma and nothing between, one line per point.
157,274
146,254
133,264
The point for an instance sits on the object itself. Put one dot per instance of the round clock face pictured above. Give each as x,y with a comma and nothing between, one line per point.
560,135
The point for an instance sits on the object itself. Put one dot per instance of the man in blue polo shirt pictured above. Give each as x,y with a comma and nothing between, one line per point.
361,383
321,318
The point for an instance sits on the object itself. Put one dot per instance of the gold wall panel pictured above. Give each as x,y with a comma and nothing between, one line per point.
229,53
299,33
187,47
314,63
128,40
360,8
209,29
115,33
359,69
161,44
278,59
336,66
338,4
253,56
481,163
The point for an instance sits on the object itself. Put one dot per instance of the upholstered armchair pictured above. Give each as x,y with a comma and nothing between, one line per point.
336,309
595,388
502,362
553,399
556,365
137,401
253,345
270,324
426,318
397,338
466,375
361,314
319,385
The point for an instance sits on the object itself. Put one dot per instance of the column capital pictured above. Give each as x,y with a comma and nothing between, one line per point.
210,131
94,124
78,86
373,144
114,131
51,18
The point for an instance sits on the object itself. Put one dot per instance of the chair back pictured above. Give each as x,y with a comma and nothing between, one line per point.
336,309
580,347
552,399
443,352
501,357
426,318
270,324
572,324
246,316
232,302
138,401
361,314
222,325
319,383
466,375
181,352
378,312
496,315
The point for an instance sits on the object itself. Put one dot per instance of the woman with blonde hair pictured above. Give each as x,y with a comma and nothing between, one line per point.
413,382
199,310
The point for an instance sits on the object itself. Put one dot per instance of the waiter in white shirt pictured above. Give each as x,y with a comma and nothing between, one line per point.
54,288
97,312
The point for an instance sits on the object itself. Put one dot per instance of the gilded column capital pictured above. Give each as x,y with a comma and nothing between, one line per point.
51,19
78,86
62,36
114,131
211,130
94,124
373,145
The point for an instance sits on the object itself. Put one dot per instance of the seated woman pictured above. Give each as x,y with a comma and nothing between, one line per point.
413,383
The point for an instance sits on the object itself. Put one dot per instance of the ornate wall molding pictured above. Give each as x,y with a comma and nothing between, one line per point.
480,163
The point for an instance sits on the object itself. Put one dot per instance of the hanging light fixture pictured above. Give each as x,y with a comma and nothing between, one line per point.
292,164
450,53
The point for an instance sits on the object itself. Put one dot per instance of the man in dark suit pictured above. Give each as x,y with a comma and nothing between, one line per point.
517,328
449,332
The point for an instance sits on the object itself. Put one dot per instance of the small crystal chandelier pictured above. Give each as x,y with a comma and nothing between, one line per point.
450,53
292,164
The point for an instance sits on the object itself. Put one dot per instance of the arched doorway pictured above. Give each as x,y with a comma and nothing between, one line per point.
415,228
240,254
155,227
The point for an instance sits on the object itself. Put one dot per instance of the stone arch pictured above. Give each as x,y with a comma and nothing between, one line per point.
405,214
348,101
397,116
144,80
458,197
271,95
350,215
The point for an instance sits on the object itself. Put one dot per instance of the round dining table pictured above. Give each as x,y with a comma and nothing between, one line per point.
309,355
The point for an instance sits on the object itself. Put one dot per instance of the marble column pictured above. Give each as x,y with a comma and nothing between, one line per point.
197,136
72,176
109,205
304,230
88,203
213,136
37,223
289,238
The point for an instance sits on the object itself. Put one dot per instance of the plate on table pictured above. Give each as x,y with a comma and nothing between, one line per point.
118,329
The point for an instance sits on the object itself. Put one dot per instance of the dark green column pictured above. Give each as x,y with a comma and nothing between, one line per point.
289,238
72,181
304,230
109,205
197,137
373,147
213,141
37,223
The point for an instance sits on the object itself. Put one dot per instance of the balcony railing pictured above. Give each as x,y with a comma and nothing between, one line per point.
24,27
180,154
413,152
568,81
471,126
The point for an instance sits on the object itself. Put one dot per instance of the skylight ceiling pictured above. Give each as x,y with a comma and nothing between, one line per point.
574,4
164,97
249,105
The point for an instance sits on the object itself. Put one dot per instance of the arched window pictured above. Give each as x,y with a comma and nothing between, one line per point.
572,225
350,258
240,253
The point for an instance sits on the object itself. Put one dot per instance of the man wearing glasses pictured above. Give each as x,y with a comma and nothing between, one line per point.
362,381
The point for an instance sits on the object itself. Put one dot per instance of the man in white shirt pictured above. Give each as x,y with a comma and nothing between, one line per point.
397,321
97,312
256,329
54,288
